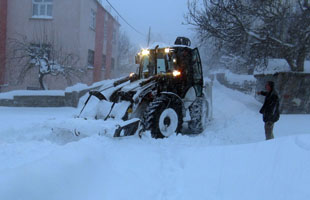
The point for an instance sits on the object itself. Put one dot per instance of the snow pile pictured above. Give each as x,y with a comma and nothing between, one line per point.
80,86
279,65
77,87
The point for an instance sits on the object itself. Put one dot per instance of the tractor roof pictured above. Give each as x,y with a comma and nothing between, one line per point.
180,42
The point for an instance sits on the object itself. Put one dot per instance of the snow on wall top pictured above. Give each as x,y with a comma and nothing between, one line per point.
279,65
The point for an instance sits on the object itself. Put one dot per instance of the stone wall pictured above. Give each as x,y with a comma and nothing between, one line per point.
69,99
293,89
247,87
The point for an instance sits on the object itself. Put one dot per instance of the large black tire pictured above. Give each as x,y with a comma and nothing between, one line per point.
199,112
163,116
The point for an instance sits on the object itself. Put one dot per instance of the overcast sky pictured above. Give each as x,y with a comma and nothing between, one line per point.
164,16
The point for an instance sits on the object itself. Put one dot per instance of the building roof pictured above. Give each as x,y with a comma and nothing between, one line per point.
109,13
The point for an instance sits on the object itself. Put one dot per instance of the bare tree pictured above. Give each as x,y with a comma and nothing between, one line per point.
256,29
46,56
126,54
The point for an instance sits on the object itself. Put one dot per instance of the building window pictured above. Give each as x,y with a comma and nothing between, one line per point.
91,58
106,20
93,19
112,64
114,36
42,8
105,33
103,62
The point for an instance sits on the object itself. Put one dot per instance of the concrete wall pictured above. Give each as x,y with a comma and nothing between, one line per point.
293,90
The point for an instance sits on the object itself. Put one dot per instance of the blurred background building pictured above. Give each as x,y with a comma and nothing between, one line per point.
83,28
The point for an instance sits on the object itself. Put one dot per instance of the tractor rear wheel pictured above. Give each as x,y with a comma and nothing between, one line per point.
199,112
163,117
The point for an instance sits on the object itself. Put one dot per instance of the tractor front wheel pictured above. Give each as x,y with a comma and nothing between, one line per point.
163,117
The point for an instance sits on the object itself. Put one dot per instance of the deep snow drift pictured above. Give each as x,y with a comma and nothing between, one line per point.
230,160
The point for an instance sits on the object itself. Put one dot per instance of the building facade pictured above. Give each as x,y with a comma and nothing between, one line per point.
83,28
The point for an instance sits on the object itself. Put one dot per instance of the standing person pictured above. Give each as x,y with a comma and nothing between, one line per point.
270,109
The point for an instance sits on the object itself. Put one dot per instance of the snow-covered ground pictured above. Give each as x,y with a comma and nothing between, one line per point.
230,160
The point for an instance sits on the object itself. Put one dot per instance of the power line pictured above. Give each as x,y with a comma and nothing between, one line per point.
124,19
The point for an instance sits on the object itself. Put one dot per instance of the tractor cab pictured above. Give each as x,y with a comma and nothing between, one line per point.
180,63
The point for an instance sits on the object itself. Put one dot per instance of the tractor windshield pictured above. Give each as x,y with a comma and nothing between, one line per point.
152,64
147,68
145,63
161,65
179,59
163,61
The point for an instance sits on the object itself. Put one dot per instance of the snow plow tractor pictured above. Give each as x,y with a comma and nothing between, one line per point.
167,92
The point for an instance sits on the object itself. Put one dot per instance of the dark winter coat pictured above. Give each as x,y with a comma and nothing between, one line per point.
270,109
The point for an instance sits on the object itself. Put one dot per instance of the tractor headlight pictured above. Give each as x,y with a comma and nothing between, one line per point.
131,75
167,50
145,52
176,73
129,110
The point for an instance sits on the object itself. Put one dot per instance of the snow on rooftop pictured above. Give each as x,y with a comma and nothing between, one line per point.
179,45
232,77
239,78
159,44
163,45
279,65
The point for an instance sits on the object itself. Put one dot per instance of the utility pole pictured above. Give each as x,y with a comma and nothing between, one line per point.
149,37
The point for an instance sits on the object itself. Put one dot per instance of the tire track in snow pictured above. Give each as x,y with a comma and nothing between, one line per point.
235,118
171,167
302,143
